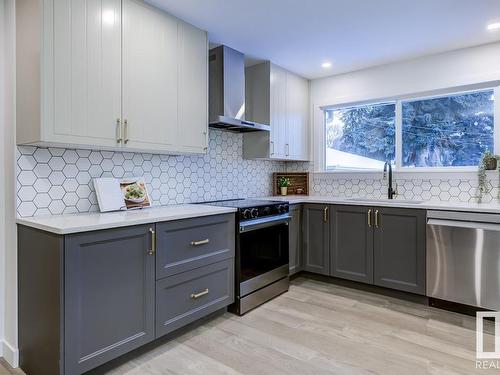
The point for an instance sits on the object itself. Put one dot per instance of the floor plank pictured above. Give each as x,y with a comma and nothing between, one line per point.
320,328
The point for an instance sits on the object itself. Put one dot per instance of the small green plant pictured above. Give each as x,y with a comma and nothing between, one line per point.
283,182
488,162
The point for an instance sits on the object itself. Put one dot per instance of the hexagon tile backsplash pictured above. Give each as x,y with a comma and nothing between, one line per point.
56,180
430,186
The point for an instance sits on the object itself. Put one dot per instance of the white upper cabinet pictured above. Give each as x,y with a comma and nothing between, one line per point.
193,88
110,74
279,98
149,77
297,117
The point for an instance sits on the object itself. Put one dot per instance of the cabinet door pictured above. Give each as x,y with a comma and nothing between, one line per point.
315,242
400,249
81,82
193,88
295,238
278,113
109,295
352,243
150,61
297,117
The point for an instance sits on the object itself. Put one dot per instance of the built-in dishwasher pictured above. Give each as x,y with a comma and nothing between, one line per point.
463,258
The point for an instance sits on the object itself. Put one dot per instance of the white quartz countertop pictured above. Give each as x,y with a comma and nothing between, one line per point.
76,223
492,207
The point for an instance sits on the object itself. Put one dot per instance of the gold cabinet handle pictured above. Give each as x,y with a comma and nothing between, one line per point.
153,241
325,214
376,218
198,295
369,215
199,243
125,131
119,137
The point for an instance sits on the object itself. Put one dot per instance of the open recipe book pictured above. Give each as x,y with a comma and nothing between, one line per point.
115,194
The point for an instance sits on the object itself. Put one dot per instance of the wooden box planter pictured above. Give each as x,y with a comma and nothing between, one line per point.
298,180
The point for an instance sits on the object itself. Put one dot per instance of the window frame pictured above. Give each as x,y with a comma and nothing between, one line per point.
322,168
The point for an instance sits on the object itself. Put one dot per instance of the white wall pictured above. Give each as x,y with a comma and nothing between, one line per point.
8,247
461,68
458,68
2,175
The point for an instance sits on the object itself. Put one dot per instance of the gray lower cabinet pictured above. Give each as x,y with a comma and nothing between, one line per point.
316,238
295,239
196,294
351,244
87,298
186,244
108,295
399,249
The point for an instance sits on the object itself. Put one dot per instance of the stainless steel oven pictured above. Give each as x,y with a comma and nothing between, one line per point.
262,260
261,269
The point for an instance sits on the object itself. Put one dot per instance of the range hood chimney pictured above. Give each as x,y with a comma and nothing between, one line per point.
227,92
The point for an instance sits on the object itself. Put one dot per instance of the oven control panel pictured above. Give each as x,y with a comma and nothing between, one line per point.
262,211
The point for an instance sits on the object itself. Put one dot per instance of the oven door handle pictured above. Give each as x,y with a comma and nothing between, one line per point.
264,222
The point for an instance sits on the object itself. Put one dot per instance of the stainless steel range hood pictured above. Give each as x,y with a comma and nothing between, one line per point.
227,92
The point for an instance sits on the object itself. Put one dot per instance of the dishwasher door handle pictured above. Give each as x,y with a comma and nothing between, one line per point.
464,224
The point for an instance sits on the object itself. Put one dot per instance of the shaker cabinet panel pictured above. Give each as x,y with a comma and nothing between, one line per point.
352,243
186,244
149,77
278,112
81,99
297,122
295,238
399,249
316,239
192,88
109,295
281,99
196,293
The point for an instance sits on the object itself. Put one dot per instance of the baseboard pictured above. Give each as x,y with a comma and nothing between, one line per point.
10,354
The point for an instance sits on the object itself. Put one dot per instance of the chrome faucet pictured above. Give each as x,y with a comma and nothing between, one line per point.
390,191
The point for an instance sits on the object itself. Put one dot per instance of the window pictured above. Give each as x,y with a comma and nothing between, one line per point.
450,131
360,137
446,131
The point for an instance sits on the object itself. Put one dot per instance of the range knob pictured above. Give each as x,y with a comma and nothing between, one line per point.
282,208
266,211
254,213
247,214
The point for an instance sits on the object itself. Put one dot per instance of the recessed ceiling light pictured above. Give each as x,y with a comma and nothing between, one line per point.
326,64
494,26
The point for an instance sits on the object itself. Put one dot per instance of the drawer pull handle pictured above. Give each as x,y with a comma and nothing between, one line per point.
198,295
369,215
119,137
153,241
199,243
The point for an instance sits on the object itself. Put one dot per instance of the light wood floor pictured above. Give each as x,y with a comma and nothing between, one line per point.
320,328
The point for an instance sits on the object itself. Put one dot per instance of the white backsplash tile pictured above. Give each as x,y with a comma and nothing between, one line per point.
56,180
433,186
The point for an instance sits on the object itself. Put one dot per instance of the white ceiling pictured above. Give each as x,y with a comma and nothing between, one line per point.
353,34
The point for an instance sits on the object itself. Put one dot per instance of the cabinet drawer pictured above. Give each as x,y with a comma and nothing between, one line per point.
196,293
188,244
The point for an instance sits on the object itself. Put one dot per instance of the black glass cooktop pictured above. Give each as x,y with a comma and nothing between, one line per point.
243,203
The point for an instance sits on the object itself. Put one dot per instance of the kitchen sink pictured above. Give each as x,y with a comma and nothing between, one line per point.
405,201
